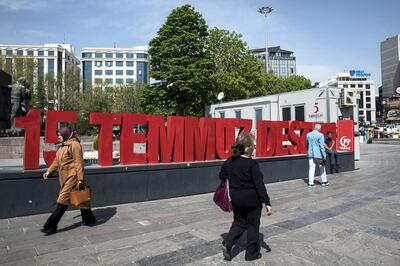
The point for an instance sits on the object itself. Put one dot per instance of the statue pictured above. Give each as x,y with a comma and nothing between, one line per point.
20,98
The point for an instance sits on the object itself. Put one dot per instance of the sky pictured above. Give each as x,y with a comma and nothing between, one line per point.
327,36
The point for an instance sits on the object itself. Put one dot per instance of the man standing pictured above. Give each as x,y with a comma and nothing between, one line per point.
316,155
333,155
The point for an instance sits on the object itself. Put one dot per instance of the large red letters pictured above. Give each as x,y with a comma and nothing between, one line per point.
179,139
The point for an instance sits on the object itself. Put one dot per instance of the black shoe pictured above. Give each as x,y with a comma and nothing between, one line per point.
49,231
255,258
226,251
92,222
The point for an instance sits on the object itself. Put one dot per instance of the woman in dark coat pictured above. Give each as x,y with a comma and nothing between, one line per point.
248,194
69,163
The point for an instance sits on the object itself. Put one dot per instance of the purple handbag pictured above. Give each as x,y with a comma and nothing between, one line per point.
222,198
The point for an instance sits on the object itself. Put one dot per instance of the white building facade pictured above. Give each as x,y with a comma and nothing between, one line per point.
114,66
359,82
310,105
50,58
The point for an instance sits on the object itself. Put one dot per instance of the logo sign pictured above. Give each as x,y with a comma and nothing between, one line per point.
359,73
345,143
345,135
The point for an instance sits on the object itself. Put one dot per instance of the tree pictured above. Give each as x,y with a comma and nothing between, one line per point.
236,72
125,98
179,63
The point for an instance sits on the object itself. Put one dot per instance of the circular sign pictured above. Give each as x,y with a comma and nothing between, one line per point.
398,90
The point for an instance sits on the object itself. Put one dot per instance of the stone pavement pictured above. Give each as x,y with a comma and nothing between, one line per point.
354,221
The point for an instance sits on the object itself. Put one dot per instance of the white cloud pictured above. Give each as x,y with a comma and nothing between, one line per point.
16,5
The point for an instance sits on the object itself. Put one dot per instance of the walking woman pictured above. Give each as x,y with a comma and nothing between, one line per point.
248,194
69,163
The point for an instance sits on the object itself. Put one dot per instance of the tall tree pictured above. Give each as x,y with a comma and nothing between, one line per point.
236,72
179,63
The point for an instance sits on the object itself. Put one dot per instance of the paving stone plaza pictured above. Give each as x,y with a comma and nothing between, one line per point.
354,221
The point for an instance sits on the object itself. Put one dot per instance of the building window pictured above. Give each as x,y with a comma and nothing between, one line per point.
40,53
119,63
361,100
369,116
129,63
9,52
30,53
291,70
109,81
129,80
360,85
119,81
238,113
109,72
119,72
40,63
129,55
109,55
129,72
141,55
368,99
98,55
257,116
345,86
50,53
299,113
286,116
222,114
98,81
98,72
141,73
119,55
20,52
368,105
368,86
87,55
109,63
368,93
87,74
352,85
50,66
99,63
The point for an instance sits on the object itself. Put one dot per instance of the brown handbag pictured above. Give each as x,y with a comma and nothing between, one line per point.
81,198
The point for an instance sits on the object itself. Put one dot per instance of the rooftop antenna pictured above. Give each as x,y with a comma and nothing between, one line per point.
64,38
115,44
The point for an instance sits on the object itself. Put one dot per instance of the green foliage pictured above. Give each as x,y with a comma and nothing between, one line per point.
236,72
96,143
179,62
125,98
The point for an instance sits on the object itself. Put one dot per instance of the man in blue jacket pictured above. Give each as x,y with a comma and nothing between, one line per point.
316,155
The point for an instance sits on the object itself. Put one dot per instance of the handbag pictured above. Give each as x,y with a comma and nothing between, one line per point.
81,198
222,197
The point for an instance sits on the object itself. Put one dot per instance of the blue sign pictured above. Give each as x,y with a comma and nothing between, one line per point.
359,73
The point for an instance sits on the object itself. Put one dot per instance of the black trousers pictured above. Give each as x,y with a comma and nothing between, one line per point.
52,222
334,158
245,219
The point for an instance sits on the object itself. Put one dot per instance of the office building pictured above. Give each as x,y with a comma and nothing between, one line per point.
390,66
49,58
114,66
281,62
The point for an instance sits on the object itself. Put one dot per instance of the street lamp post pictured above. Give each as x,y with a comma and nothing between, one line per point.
265,10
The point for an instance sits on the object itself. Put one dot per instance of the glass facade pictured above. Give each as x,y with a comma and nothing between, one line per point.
129,72
50,53
119,72
119,55
98,55
141,73
40,63
87,74
109,55
109,72
129,63
129,55
119,63
50,66
98,72
141,55
86,55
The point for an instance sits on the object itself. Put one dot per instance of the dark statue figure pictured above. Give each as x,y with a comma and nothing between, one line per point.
20,98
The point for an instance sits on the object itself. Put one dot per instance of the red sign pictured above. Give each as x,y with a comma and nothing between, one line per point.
178,139
345,137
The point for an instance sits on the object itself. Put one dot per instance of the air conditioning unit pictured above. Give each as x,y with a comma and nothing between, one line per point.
348,97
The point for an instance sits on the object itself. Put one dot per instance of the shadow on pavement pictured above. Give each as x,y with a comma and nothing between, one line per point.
241,244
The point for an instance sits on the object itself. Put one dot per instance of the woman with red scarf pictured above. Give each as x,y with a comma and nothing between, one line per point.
69,163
